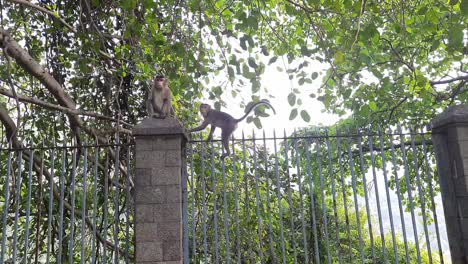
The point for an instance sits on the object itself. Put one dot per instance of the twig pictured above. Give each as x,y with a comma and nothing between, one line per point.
44,10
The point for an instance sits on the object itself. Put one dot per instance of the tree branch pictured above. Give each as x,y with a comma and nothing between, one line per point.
459,78
26,99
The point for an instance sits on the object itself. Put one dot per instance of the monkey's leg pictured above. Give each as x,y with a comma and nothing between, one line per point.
210,136
149,108
225,139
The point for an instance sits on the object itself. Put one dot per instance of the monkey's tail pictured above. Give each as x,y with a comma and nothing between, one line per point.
252,107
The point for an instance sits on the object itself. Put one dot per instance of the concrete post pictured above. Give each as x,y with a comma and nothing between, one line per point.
450,139
159,187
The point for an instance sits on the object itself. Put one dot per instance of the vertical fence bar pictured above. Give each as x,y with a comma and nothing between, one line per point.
343,191
106,206
301,201
257,199
225,213
39,211
5,208
356,205
28,205
51,198
377,197
72,213
398,192
387,191
116,199
184,180
312,200
410,195
246,200
192,191
215,209
278,191
127,204
204,219
289,197
17,202
366,195
95,203
267,176
62,194
322,192
421,196
83,202
431,194
333,190
236,202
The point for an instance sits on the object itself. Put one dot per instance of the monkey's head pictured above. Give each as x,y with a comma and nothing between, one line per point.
204,109
160,82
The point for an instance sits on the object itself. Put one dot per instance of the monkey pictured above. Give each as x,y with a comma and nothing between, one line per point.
159,102
225,121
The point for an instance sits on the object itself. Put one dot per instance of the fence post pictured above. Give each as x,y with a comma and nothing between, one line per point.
450,139
160,186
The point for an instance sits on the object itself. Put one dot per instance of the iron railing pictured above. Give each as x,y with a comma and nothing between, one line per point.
316,197
67,204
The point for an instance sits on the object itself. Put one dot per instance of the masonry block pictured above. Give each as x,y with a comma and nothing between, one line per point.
148,159
171,252
143,177
173,158
146,232
150,195
166,176
144,213
168,212
148,251
169,231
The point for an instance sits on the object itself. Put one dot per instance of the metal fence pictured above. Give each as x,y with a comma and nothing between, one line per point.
64,204
316,197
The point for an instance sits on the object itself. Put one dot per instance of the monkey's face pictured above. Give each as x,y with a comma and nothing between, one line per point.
159,82
204,109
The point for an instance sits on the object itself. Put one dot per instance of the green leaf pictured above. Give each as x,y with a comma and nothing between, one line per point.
272,60
292,99
252,63
339,57
314,75
257,123
455,37
464,7
305,116
293,114
373,106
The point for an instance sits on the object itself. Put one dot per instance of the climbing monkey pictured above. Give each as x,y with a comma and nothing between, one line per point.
159,102
225,121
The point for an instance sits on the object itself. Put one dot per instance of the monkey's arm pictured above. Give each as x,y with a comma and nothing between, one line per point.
200,127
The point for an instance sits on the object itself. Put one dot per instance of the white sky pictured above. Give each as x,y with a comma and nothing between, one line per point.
279,86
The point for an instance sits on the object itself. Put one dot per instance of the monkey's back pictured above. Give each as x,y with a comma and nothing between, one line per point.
222,120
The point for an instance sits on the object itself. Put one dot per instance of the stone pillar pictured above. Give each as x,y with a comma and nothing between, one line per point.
450,139
159,186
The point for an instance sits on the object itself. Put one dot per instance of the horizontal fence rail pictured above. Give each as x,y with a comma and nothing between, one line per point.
67,204
316,197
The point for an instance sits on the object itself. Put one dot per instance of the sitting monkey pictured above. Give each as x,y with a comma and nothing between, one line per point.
159,102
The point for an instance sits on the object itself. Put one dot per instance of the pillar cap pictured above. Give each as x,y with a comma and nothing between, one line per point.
155,126
452,115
